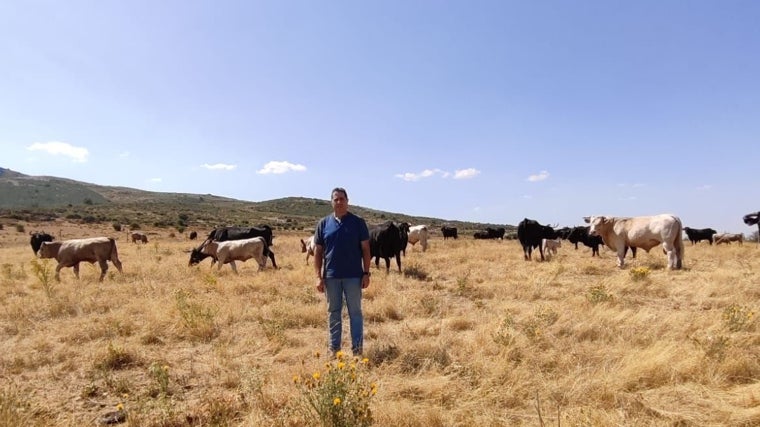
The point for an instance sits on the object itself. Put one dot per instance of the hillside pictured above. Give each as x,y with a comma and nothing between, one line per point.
45,198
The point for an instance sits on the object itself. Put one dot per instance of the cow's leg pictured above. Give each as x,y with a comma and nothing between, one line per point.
232,264
76,270
103,268
541,251
58,272
621,256
595,250
387,264
377,262
274,263
398,261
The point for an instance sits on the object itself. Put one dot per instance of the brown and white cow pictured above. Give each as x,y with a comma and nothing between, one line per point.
419,233
229,251
643,232
727,238
308,246
136,236
69,253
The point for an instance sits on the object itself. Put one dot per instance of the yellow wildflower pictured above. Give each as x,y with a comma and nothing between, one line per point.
341,365
336,401
120,407
316,375
365,360
340,354
296,379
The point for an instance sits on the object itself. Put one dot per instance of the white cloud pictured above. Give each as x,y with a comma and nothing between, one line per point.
541,176
124,154
77,154
219,166
427,173
527,196
276,167
466,173
705,187
155,180
627,198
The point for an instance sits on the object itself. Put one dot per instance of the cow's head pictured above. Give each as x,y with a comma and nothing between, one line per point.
38,238
196,256
752,219
303,246
596,224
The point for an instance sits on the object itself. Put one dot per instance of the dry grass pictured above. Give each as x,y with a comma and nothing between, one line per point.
469,335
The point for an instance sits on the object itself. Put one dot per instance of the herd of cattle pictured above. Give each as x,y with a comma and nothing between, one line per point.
225,245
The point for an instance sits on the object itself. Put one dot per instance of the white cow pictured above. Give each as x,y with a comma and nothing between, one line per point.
69,253
229,251
308,246
419,233
643,232
727,238
551,245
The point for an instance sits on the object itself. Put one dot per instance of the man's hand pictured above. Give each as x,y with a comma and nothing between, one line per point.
321,285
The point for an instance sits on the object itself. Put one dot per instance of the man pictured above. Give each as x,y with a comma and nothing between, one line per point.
342,248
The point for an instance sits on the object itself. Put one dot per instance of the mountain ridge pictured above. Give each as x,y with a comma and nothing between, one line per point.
41,198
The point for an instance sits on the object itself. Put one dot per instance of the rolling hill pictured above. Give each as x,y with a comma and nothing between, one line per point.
45,198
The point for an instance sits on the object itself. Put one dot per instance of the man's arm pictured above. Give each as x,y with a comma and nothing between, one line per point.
366,258
319,253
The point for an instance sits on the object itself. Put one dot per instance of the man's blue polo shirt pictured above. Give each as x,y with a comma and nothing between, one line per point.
341,240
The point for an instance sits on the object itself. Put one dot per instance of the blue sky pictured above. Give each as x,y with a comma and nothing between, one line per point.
478,111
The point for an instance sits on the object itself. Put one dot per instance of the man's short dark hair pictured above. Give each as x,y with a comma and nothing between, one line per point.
339,190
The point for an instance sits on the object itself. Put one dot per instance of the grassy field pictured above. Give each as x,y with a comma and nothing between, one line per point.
469,334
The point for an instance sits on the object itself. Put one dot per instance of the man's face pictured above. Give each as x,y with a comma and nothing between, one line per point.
339,202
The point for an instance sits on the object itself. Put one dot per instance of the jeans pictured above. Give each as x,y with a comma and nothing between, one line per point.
335,289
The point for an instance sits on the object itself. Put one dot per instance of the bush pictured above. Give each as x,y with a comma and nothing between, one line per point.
339,395
134,226
116,226
20,228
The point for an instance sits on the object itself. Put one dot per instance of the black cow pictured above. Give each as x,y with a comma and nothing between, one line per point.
530,233
385,242
564,232
496,233
696,235
193,235
449,232
222,234
481,235
581,235
37,239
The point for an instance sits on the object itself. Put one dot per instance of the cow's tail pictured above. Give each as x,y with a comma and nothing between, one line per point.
678,244
114,255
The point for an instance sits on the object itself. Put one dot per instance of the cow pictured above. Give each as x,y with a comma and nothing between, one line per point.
222,234
551,245
229,251
581,235
490,233
69,253
727,238
308,246
385,242
496,233
753,219
193,235
696,235
564,232
449,232
419,233
481,235
38,238
531,234
136,236
645,232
